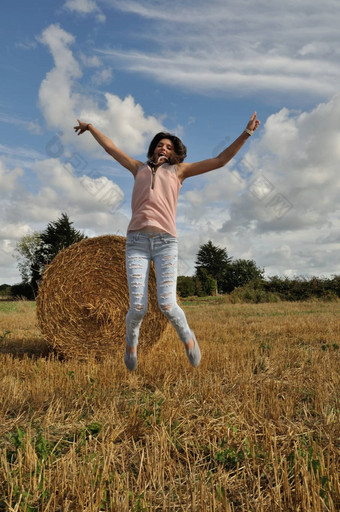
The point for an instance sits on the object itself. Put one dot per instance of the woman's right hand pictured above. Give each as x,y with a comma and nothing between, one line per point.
81,128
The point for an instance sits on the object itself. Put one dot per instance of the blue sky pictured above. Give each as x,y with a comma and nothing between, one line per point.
198,69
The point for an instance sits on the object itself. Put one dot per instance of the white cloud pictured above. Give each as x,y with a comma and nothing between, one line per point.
207,70
61,189
294,154
103,190
277,205
30,126
13,232
55,95
299,153
241,47
103,76
289,196
84,7
8,179
209,203
123,120
94,203
27,44
8,272
92,61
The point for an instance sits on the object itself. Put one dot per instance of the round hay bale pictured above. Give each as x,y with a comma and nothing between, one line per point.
83,300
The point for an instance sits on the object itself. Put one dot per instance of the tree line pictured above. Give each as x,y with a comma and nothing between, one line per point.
216,273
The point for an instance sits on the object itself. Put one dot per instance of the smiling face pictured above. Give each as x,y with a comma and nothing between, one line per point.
163,151
173,148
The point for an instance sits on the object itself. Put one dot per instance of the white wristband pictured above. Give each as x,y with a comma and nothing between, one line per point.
250,132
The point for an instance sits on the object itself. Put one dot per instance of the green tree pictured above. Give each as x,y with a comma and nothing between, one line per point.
57,236
214,260
26,251
207,284
241,272
5,290
36,251
198,287
185,286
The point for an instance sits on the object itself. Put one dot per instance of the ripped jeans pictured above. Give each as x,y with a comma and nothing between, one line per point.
141,249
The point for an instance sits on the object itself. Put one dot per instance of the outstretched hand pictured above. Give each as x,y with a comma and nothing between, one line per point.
253,122
81,128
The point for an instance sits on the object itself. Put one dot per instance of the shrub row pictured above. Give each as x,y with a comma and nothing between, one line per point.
273,289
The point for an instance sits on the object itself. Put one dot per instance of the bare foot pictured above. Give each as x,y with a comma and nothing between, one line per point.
130,358
193,351
190,344
131,350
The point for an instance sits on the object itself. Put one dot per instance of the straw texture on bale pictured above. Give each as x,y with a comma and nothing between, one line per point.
83,300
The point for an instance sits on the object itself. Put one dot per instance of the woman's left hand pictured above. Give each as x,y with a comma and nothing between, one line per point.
253,123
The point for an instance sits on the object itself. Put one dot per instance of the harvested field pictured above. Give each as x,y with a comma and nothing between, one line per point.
255,428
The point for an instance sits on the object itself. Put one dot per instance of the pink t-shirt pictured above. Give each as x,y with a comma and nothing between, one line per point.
155,207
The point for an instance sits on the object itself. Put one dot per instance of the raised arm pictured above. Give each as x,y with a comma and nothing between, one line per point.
125,160
186,170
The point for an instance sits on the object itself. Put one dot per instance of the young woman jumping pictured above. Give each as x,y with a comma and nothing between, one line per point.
151,234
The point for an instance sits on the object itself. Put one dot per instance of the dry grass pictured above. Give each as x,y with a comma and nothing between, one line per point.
254,428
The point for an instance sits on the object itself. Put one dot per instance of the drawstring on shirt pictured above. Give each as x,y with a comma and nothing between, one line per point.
153,171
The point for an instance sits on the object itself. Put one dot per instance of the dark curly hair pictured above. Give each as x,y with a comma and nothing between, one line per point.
179,149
